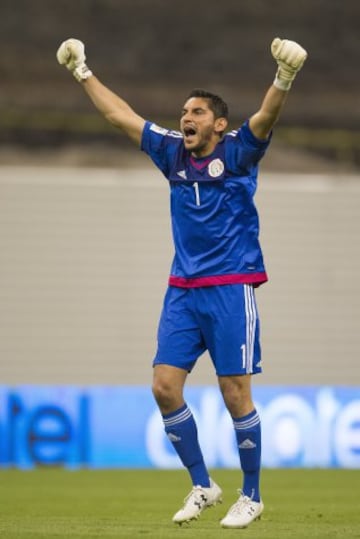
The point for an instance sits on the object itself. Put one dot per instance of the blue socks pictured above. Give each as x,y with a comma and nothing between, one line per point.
181,430
248,437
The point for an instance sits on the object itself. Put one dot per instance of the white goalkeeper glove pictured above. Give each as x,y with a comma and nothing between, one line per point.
290,57
71,54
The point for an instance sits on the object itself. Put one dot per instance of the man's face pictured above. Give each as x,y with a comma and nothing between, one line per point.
200,128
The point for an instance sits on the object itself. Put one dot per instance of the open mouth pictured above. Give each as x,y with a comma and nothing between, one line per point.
189,132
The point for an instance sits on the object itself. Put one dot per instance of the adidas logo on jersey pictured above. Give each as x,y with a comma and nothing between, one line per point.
182,174
247,444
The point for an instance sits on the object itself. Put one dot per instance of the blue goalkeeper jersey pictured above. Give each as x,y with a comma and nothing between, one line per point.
215,223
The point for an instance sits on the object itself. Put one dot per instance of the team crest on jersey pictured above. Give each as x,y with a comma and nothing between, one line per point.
216,168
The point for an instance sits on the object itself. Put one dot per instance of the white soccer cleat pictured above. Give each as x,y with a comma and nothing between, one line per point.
199,499
242,513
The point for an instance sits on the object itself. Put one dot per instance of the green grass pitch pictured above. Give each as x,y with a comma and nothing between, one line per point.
51,504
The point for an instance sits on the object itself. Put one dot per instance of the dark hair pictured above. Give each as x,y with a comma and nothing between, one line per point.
215,102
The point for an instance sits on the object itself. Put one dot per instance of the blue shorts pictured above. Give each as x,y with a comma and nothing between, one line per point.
220,319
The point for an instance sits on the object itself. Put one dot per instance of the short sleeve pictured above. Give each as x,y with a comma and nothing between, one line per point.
244,149
160,144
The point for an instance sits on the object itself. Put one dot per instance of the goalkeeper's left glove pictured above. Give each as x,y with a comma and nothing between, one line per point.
71,53
290,57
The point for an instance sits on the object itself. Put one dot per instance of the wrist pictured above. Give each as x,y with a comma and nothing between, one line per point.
284,78
282,84
82,72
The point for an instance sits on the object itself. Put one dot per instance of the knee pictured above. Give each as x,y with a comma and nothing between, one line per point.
232,395
164,395
237,396
161,390
167,387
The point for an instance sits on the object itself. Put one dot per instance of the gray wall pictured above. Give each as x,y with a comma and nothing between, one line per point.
84,260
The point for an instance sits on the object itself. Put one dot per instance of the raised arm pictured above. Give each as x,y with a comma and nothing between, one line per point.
290,57
71,53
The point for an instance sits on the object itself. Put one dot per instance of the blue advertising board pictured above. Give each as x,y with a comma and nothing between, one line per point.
108,427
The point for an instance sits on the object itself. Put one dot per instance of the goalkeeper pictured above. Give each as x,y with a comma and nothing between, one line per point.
218,263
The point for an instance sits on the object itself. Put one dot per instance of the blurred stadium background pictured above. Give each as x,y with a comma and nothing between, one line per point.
85,245
153,54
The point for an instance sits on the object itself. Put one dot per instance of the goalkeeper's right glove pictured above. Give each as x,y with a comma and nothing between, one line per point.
71,53
290,57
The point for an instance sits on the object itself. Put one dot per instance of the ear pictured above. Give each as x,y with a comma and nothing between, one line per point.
220,125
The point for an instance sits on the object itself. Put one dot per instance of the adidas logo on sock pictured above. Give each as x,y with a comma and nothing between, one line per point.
173,438
247,444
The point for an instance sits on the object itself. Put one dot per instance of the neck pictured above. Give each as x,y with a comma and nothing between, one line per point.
204,152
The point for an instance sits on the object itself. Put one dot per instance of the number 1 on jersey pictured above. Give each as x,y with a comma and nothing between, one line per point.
197,193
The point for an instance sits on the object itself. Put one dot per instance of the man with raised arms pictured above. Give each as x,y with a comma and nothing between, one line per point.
210,301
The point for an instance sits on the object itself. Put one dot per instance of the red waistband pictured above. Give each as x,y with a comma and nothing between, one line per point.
215,280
